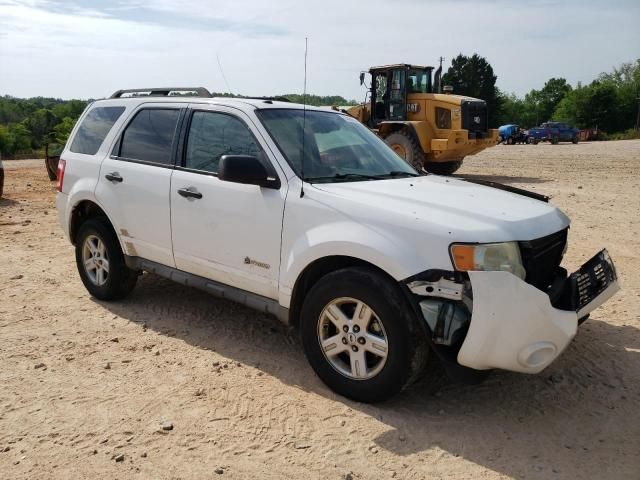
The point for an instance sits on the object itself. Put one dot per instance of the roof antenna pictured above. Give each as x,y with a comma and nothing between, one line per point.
222,73
304,116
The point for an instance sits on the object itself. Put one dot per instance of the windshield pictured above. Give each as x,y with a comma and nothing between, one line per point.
419,81
336,147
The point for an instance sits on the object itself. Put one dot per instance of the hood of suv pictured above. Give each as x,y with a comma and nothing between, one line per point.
461,211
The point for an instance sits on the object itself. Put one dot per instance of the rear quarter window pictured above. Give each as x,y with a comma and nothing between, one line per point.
94,128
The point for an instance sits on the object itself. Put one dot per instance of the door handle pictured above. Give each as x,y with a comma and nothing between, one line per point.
190,192
114,177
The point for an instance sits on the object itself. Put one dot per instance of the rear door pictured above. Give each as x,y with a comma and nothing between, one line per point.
135,181
228,232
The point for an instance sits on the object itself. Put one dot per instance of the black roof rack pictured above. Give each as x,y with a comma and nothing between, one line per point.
251,97
163,91
269,99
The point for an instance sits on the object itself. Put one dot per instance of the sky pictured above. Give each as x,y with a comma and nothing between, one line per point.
89,49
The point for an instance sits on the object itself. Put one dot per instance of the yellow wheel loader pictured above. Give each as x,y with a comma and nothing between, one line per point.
430,130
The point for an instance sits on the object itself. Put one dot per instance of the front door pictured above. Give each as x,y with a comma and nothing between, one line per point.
134,183
228,232
380,97
398,95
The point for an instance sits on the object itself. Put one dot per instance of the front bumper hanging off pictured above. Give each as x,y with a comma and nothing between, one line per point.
515,327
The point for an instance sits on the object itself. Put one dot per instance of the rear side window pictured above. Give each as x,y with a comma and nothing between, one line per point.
94,128
149,136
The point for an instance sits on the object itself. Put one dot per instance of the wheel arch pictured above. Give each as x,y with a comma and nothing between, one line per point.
83,211
317,269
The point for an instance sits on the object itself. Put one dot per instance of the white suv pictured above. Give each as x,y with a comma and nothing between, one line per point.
306,214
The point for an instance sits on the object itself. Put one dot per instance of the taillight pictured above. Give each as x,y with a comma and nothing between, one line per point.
62,164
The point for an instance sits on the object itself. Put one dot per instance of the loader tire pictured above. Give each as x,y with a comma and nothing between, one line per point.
408,148
443,168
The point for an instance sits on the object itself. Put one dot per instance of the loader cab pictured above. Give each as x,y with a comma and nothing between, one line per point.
390,87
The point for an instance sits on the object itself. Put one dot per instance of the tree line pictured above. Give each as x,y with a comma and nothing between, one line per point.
609,103
26,125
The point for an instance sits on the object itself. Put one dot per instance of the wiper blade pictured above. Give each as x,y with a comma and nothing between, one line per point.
364,176
344,176
397,173
340,176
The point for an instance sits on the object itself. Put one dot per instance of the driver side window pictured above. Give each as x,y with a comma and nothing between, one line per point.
214,134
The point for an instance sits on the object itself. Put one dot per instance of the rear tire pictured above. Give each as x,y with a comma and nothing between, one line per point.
510,141
555,141
100,261
443,168
360,336
574,140
407,147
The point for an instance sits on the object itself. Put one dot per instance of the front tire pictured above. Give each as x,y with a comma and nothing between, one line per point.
407,147
100,261
443,168
360,336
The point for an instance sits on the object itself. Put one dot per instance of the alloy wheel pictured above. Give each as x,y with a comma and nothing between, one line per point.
95,260
352,338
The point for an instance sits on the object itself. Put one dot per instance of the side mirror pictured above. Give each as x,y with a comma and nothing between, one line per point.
361,78
246,169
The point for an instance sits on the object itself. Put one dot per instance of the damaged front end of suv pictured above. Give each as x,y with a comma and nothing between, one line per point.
509,305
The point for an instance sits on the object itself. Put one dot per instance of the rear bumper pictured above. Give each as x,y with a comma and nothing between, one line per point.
62,200
515,327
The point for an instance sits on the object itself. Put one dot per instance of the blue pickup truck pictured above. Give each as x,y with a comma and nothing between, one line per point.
553,132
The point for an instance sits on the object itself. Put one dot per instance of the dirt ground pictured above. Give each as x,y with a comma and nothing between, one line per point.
85,383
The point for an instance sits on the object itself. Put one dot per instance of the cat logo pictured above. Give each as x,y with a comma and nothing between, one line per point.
413,107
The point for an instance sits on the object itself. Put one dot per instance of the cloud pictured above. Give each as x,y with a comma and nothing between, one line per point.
187,15
82,48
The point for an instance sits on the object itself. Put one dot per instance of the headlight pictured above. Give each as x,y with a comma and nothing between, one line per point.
488,257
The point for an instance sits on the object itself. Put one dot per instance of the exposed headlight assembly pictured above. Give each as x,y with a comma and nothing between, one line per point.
488,257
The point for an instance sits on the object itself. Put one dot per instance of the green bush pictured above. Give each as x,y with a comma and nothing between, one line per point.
631,134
